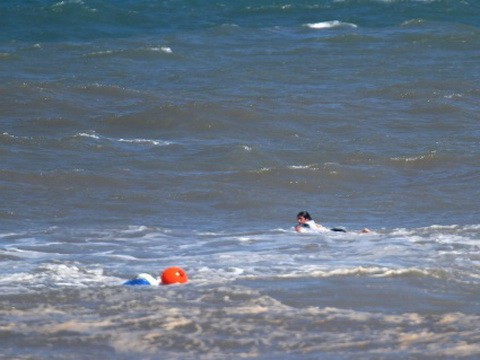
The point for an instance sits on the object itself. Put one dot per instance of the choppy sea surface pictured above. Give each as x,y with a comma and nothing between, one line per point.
138,135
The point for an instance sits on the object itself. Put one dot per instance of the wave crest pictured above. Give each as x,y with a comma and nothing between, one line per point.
330,25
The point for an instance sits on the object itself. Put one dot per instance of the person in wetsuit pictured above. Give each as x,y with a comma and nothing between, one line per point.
305,222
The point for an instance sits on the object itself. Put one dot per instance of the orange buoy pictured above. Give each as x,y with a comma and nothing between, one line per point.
173,275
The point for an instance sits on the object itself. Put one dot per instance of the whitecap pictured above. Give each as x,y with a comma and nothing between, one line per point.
95,136
430,155
165,49
58,6
330,24
10,136
64,275
100,53
73,275
303,167
261,170
146,141
88,135
374,271
453,96
297,167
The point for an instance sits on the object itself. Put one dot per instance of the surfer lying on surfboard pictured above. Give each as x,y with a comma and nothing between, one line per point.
306,223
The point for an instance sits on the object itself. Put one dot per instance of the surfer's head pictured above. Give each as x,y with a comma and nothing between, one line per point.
303,216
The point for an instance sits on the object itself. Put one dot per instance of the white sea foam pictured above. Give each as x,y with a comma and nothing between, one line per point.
135,229
453,96
375,271
330,24
146,141
55,275
312,167
165,49
100,53
95,136
263,170
88,135
372,334
162,49
430,155
6,134
207,275
26,254
59,5
65,2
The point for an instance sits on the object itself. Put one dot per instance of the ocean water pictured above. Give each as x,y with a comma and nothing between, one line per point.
138,135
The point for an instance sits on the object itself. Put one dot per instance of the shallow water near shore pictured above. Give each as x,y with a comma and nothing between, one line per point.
143,135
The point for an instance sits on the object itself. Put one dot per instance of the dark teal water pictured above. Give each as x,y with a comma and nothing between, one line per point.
136,135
